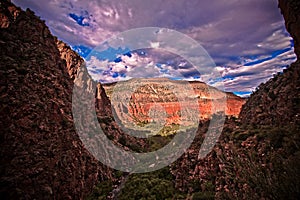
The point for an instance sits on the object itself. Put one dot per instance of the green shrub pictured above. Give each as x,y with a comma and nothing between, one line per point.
101,191
203,196
153,185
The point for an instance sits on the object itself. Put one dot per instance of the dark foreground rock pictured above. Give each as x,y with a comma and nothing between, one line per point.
41,155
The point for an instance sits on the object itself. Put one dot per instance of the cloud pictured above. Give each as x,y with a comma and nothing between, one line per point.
219,22
245,78
140,65
246,39
81,20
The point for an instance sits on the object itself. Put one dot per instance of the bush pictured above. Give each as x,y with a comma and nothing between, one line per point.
203,196
101,190
153,185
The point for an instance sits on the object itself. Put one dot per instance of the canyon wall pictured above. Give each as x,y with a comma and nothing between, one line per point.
200,99
290,10
41,155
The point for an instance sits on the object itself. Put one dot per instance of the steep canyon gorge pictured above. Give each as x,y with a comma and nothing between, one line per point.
43,157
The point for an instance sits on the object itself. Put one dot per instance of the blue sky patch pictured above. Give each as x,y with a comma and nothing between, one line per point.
117,60
242,93
159,65
273,55
110,54
228,77
79,19
292,43
175,78
123,75
164,70
82,50
128,54
115,75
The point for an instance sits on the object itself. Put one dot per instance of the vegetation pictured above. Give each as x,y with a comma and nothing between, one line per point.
255,163
101,191
264,165
155,185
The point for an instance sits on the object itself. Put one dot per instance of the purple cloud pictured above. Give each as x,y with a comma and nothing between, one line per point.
233,32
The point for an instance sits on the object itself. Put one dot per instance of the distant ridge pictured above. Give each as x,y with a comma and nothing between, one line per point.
144,97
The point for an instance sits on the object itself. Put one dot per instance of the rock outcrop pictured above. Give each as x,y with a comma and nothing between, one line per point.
72,59
73,63
276,102
290,10
41,155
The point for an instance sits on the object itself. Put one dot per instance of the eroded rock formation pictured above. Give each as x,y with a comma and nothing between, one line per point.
198,97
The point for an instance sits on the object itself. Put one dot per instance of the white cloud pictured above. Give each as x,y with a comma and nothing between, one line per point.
154,45
246,78
137,66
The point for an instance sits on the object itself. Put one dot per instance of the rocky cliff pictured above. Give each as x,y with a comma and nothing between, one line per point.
202,99
73,63
41,155
257,156
277,102
290,10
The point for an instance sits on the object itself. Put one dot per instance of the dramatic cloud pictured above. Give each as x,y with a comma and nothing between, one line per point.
246,39
138,64
245,78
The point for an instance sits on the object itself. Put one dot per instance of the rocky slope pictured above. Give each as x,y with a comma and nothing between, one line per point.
256,157
276,102
41,155
202,99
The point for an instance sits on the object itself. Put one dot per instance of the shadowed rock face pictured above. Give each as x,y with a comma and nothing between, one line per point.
41,155
277,102
290,9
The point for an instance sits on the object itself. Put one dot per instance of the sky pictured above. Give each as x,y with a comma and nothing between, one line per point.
246,39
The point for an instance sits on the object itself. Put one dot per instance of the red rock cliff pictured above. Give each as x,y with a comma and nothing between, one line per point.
155,92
